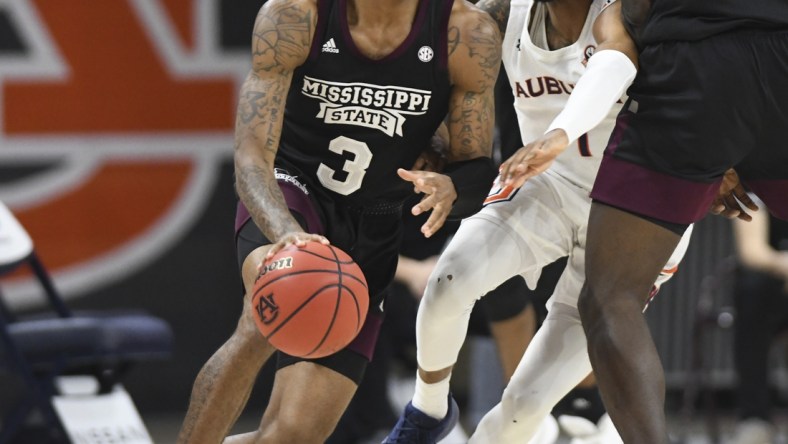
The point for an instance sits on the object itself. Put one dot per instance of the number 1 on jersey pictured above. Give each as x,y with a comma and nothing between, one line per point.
355,168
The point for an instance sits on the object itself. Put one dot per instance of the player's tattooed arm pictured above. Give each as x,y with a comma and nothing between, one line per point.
474,61
498,10
474,45
280,43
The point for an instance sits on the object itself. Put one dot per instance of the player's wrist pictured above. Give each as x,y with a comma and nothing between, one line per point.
558,139
471,180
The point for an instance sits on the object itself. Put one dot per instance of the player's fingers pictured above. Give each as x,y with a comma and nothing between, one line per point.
422,186
744,198
732,208
427,203
423,181
503,171
512,164
318,238
736,210
435,221
515,174
298,239
410,176
527,166
518,180
275,248
717,208
744,216
531,170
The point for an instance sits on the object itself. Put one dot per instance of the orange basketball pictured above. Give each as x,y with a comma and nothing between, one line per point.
311,301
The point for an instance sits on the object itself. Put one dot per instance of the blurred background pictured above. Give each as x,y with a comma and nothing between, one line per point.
116,121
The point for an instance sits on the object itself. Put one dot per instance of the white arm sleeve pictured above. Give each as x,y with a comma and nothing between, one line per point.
608,74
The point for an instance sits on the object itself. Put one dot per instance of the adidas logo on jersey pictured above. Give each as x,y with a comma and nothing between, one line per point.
330,46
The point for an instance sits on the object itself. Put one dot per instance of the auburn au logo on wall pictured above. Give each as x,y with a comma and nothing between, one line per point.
114,115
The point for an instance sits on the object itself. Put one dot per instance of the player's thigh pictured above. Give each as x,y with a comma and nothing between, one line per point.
567,289
624,255
519,235
307,402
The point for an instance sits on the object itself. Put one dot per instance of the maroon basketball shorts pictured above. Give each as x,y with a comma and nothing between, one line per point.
695,110
370,235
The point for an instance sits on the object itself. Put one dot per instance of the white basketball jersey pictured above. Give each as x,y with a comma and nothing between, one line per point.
541,81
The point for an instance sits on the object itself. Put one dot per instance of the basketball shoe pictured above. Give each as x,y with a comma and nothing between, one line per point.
416,427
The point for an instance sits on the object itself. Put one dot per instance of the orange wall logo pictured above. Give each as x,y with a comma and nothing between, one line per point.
128,105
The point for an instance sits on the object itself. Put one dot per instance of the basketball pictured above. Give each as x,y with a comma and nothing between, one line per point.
311,301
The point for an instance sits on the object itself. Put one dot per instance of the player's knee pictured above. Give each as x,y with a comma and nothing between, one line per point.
454,280
444,299
601,310
249,269
587,305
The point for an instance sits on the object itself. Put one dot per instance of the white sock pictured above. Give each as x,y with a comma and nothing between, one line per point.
432,399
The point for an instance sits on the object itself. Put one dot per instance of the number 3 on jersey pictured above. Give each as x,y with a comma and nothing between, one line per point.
355,168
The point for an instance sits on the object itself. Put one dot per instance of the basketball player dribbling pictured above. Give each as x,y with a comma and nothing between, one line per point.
549,48
343,97
710,96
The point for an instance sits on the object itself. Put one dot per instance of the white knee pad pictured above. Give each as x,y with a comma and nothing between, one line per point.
479,258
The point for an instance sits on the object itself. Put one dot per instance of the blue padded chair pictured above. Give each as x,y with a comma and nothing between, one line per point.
38,348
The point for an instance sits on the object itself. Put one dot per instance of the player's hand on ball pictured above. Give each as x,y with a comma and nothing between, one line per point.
439,196
299,239
730,197
533,158
310,301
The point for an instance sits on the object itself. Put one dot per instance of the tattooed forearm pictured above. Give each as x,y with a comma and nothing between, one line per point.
281,42
252,105
257,134
260,108
471,121
269,211
498,10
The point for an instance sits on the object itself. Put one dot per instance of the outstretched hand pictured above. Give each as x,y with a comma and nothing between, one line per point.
533,159
439,196
730,197
299,239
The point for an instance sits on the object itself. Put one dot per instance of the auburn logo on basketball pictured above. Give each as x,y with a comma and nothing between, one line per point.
267,310
125,108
